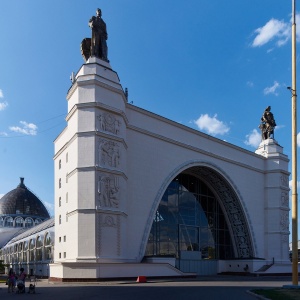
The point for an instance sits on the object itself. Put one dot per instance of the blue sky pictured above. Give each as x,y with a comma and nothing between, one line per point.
211,65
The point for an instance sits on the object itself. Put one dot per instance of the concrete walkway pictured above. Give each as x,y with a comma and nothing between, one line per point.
204,288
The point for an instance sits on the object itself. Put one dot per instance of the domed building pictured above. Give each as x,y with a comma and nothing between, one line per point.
26,231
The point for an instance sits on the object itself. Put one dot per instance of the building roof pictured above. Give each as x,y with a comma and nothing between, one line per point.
33,230
21,201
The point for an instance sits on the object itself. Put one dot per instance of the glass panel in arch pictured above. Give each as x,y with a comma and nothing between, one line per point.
190,205
47,239
28,222
189,238
37,221
31,250
25,249
8,222
19,222
39,242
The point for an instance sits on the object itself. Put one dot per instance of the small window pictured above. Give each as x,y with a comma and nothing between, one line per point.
59,183
67,157
67,217
59,239
59,164
67,178
59,255
65,254
59,202
67,197
65,238
59,219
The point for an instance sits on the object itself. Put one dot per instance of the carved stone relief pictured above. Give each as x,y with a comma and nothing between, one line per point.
284,180
109,123
108,190
284,220
109,153
284,199
109,221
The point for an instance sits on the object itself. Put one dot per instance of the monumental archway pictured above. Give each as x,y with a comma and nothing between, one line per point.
199,211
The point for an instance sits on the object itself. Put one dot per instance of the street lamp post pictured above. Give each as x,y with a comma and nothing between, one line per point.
294,154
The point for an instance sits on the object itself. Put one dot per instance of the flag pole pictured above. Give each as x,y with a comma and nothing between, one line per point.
294,154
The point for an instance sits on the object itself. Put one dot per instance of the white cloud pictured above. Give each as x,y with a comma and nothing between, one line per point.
211,125
290,184
250,83
3,105
1,195
1,94
272,29
298,139
253,139
28,128
272,89
2,133
49,206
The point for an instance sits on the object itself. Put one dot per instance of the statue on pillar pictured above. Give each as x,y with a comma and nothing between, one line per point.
267,124
96,46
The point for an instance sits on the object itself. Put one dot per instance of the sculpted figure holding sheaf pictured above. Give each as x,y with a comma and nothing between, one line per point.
95,46
99,36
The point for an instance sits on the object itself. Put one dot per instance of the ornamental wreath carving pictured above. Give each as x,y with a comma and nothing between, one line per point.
108,189
109,123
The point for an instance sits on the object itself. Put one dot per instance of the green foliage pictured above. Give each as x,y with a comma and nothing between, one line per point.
2,266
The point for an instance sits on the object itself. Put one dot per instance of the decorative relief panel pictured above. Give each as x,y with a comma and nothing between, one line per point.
284,180
284,199
109,153
109,221
109,123
284,220
108,190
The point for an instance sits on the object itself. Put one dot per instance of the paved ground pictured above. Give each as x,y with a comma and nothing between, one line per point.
204,288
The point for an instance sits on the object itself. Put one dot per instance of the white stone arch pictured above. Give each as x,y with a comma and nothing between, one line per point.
232,191
48,246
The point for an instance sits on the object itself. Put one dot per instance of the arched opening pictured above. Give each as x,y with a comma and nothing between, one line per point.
48,247
189,219
199,217
39,249
19,222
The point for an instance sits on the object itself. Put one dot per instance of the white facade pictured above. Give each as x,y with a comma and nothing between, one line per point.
113,163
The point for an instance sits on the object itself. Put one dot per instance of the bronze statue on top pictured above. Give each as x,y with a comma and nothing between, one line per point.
96,46
267,124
